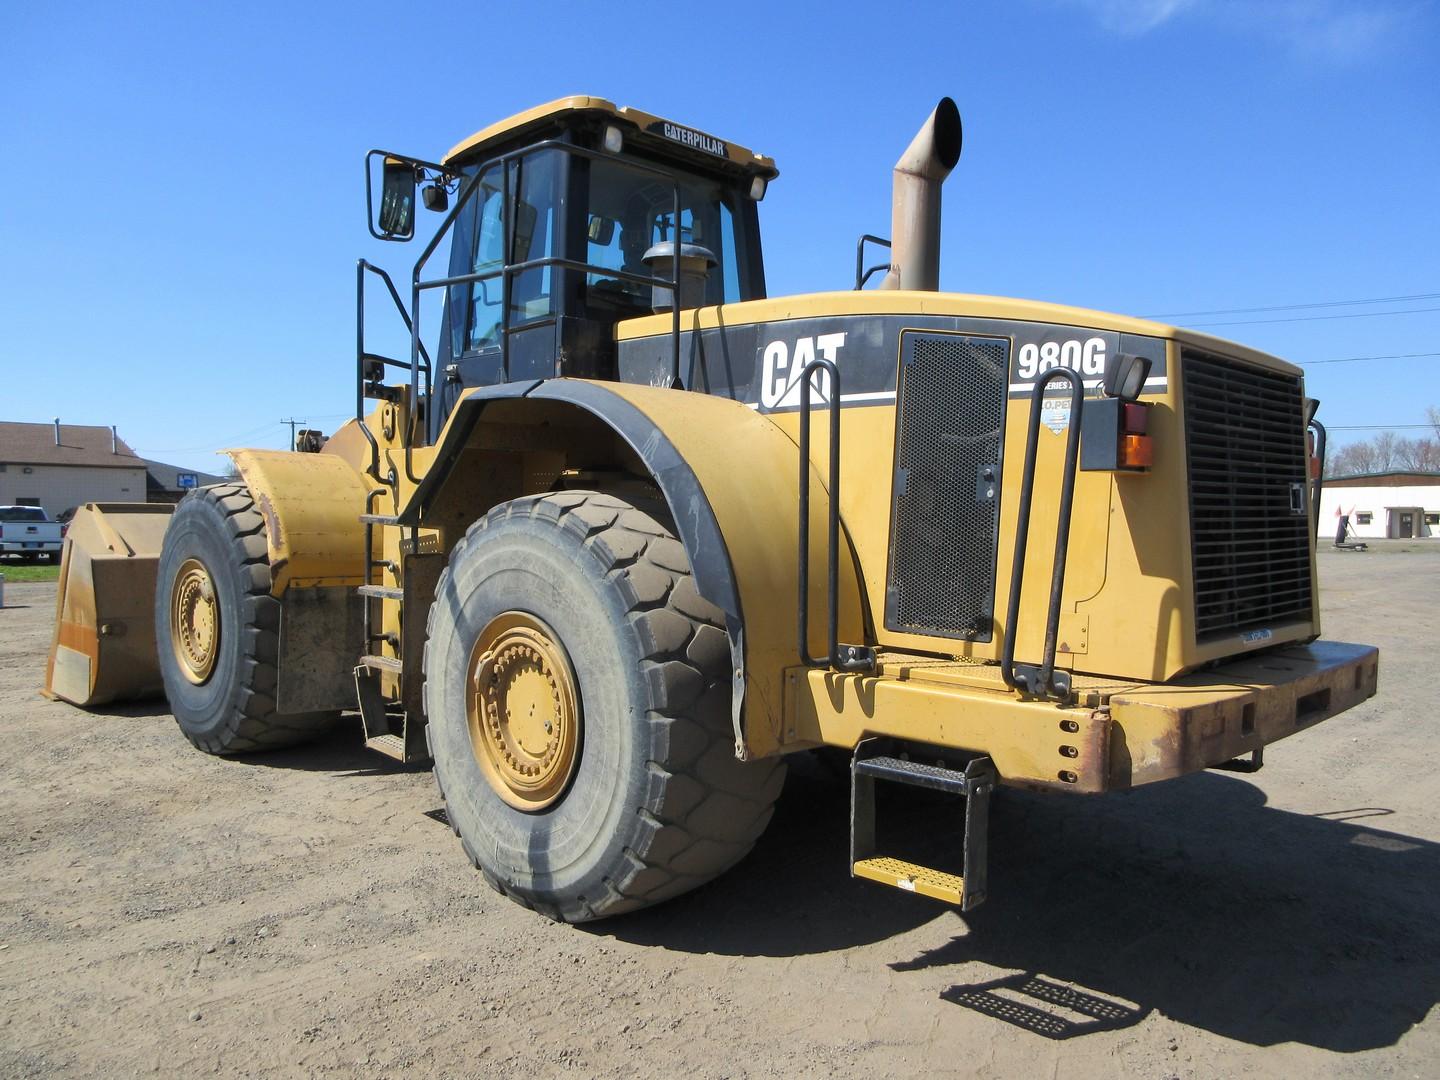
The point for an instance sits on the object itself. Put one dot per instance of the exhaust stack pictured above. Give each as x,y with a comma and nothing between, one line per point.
915,206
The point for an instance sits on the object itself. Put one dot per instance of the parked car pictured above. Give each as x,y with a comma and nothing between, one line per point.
27,531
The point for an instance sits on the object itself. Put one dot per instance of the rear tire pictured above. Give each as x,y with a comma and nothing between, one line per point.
218,661
656,802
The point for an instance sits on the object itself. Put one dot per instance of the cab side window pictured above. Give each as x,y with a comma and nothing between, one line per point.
532,184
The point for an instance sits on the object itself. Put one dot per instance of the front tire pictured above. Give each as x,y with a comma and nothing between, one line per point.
218,627
569,624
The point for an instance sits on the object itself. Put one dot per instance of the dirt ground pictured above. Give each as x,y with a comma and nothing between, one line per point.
309,914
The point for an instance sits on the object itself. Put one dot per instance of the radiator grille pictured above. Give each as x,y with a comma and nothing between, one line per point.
944,529
1249,515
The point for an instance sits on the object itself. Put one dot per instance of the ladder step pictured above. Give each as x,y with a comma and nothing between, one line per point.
379,519
382,663
917,774
392,746
912,877
381,592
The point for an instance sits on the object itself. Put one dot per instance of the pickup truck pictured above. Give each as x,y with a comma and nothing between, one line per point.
28,531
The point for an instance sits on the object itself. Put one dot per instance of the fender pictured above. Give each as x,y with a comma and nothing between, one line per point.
312,505
730,478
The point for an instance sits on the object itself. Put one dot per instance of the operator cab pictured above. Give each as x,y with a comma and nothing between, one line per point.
592,194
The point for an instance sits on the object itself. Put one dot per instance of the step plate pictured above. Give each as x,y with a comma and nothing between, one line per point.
912,877
391,746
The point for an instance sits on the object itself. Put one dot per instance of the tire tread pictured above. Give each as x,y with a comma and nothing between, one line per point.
708,808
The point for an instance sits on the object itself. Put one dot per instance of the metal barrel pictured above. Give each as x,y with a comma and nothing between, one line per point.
103,649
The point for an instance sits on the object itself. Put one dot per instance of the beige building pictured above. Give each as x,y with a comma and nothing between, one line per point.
60,466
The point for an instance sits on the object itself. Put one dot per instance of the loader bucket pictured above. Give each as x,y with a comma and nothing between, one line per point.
104,644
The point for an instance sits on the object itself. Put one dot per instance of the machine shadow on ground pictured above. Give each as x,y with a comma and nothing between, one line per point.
1192,898
340,750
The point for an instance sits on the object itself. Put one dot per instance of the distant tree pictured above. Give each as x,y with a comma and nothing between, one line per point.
1388,451
1352,460
1422,455
228,470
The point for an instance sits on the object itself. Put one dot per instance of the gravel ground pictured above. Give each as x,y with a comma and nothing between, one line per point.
309,914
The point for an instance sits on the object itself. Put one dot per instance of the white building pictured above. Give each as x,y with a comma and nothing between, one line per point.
62,466
1395,505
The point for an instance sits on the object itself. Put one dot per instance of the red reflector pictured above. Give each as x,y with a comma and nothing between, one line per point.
1137,452
1136,420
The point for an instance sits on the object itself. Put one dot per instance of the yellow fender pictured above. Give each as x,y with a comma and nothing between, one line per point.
312,505
730,477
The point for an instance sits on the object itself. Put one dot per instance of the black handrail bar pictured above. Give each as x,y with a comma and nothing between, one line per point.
861,274
853,658
832,521
1044,681
548,260
362,355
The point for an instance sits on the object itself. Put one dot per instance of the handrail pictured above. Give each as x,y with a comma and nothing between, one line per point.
362,354
1043,681
848,657
861,274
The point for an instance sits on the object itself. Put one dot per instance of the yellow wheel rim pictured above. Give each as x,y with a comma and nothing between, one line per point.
522,708
194,621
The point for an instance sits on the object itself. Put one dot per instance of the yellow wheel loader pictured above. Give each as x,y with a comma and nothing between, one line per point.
631,531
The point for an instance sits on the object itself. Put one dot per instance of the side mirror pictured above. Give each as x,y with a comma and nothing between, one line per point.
392,217
397,199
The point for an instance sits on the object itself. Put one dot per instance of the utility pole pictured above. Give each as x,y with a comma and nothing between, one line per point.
293,425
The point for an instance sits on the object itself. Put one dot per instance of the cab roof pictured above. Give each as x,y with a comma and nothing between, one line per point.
690,140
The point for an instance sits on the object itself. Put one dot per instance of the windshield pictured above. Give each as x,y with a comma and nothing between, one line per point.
22,513
630,211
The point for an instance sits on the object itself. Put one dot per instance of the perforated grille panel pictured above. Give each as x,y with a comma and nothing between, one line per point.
951,403
1249,521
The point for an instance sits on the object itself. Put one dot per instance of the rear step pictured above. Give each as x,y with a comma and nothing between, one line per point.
381,663
381,592
975,783
408,745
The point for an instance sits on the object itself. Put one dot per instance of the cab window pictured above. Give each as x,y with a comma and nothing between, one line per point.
533,182
630,211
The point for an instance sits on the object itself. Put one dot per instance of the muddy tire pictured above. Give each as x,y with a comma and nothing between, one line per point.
218,628
654,802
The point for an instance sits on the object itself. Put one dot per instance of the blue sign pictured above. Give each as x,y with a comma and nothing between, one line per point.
186,480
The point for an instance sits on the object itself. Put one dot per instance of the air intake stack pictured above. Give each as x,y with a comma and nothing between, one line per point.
915,206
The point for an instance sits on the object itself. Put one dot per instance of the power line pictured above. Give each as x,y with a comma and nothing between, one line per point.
211,447
1352,359
1378,427
1295,307
1317,318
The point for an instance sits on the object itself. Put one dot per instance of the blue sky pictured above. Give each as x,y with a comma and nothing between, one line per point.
182,198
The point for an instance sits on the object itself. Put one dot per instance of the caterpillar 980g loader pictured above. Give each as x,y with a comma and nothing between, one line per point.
591,556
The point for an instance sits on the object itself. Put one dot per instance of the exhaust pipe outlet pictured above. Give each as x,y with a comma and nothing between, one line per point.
915,206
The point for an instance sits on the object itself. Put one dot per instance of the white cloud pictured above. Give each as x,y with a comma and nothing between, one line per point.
1135,16
1340,30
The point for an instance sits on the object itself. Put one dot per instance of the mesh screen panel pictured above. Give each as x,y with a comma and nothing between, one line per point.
951,414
